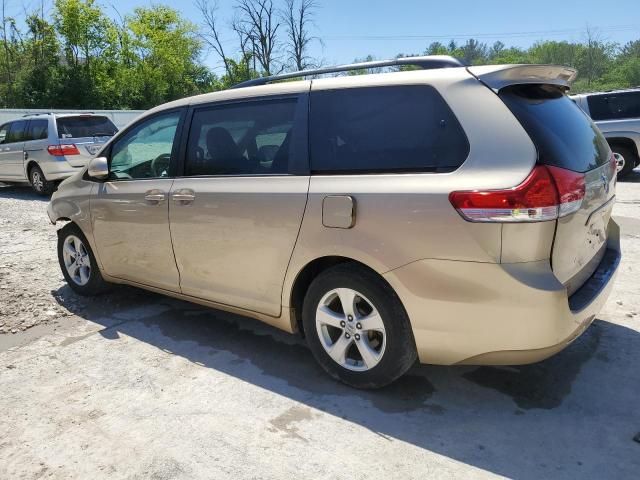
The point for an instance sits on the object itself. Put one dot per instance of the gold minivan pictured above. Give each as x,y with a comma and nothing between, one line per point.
450,214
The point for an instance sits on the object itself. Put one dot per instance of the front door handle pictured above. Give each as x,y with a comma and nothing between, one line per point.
26,155
184,196
154,196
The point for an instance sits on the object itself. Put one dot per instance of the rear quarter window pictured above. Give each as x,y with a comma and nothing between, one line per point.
85,126
384,129
563,134
614,106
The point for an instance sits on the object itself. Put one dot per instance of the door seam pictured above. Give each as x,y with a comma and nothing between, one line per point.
173,250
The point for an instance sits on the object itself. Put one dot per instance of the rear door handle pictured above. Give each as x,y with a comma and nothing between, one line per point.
26,155
184,196
155,196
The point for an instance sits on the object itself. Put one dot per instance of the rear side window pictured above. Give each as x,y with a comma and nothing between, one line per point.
563,134
17,132
384,129
252,138
85,126
38,130
614,106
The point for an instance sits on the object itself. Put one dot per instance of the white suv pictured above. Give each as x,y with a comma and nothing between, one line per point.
43,149
617,115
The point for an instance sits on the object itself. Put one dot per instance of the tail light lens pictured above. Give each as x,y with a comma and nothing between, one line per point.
59,150
546,194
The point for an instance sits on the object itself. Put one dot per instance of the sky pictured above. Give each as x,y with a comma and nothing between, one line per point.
352,29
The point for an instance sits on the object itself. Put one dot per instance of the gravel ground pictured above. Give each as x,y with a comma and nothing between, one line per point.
135,385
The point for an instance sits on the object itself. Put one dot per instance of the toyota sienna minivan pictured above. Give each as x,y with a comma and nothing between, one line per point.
447,215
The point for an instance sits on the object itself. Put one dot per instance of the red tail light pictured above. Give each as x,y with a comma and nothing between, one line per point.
59,150
546,194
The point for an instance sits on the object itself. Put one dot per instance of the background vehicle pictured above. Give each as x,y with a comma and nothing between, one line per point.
46,148
617,115
451,215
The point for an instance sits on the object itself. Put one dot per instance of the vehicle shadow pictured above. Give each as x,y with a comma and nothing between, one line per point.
572,415
20,192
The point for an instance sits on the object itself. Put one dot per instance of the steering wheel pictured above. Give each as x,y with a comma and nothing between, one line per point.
160,164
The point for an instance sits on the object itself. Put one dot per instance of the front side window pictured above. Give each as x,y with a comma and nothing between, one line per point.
38,130
384,129
145,150
252,138
17,132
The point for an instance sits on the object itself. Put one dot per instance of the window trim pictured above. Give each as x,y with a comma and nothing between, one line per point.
298,164
389,171
174,148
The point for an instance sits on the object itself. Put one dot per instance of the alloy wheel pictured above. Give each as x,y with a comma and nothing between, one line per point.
350,329
76,260
37,181
620,162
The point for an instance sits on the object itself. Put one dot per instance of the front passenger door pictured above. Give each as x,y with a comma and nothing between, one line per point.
130,210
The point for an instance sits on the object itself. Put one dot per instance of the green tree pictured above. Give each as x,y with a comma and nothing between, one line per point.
168,52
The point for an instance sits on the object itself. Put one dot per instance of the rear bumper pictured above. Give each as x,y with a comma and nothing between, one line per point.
58,169
498,314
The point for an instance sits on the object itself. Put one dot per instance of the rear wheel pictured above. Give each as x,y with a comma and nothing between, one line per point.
78,263
39,183
625,159
356,327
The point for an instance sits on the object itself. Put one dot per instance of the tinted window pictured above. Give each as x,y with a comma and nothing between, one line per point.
378,129
241,139
563,134
614,106
17,132
38,129
85,126
145,150
4,130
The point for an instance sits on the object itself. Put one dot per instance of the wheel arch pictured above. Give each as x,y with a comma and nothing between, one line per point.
625,142
30,164
308,273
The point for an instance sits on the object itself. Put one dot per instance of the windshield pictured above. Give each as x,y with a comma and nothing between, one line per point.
85,126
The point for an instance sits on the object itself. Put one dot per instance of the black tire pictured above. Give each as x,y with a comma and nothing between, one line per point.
95,284
400,352
630,160
39,183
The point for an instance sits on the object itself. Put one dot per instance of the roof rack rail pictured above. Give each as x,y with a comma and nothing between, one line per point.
424,63
36,114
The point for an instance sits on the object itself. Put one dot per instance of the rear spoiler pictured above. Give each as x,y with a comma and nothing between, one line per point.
497,77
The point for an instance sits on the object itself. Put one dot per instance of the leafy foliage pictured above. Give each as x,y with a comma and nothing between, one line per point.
79,57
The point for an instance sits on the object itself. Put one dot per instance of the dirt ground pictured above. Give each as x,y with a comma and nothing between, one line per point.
135,385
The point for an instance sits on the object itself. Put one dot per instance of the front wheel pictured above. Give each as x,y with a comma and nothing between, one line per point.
78,263
357,328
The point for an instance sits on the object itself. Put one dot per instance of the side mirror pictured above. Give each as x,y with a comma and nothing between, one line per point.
98,168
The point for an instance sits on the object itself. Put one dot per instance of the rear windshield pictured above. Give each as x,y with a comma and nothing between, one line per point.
85,126
563,134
